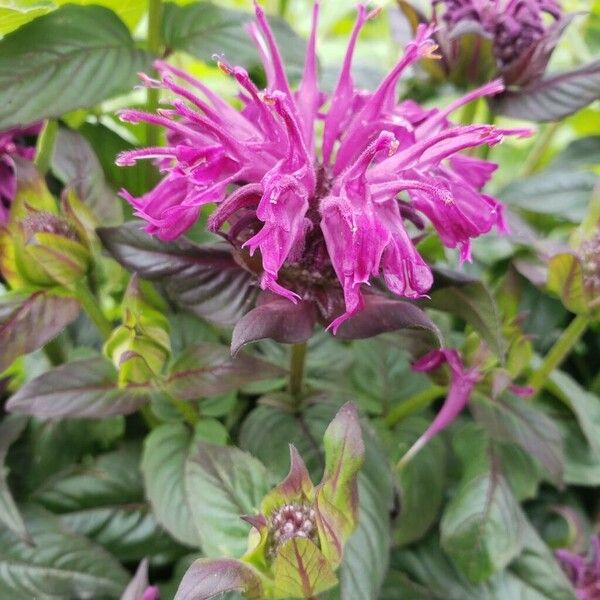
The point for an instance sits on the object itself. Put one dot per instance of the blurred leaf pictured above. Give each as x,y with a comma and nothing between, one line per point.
76,165
204,29
84,388
106,145
518,421
582,466
421,481
16,15
10,430
584,404
481,526
554,97
74,57
129,11
565,278
582,152
61,564
365,554
521,470
207,370
564,194
29,322
204,279
470,300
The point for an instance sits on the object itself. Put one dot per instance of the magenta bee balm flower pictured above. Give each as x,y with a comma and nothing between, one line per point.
15,142
306,210
583,571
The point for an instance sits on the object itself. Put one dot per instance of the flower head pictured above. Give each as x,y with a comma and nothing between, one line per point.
523,33
319,211
15,142
583,571
590,263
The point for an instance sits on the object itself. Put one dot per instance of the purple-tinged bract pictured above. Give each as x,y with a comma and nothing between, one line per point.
319,211
584,572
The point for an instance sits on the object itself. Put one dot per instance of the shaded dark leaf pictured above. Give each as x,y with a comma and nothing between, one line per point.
470,300
74,57
203,279
515,420
76,165
61,564
206,370
481,525
277,319
421,482
10,430
563,194
85,388
552,98
204,29
29,322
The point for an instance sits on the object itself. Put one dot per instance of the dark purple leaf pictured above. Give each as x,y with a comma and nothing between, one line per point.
381,315
206,370
207,579
84,388
552,98
277,319
76,165
469,299
29,322
203,279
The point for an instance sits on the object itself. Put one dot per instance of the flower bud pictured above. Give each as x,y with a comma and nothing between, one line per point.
141,346
47,250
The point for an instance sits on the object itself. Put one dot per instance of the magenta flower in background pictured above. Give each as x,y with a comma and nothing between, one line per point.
462,382
583,571
309,212
15,142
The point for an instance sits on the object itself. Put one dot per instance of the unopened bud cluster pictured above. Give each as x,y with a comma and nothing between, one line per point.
292,520
43,222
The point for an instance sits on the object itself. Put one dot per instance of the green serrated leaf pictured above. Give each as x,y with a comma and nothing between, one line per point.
74,57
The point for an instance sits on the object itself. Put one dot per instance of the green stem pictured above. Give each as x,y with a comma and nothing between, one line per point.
413,404
559,351
283,7
297,360
185,409
45,146
92,308
155,10
537,152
